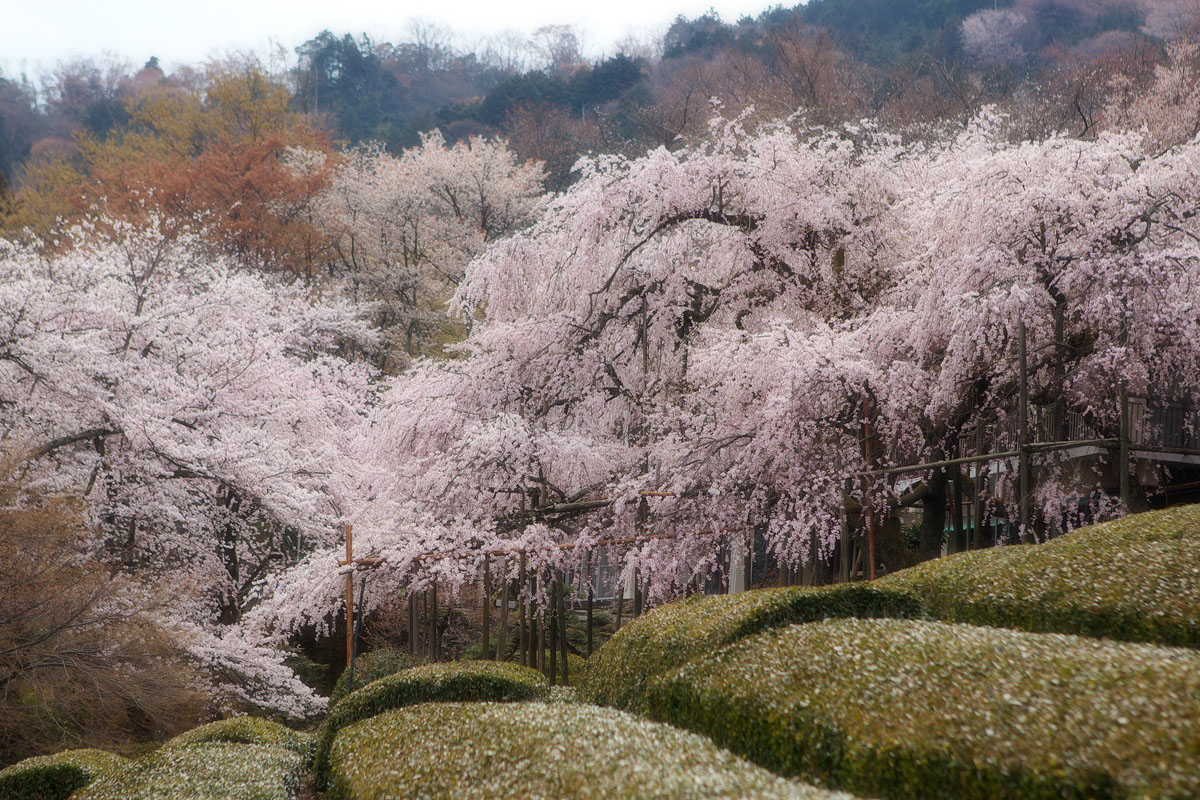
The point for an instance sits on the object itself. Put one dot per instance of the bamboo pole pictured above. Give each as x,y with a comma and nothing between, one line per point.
552,655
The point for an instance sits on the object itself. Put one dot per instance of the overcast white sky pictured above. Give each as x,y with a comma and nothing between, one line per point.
35,34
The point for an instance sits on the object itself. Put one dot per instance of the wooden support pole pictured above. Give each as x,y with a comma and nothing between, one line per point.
868,511
591,583
502,649
435,639
562,626
413,617
981,470
637,595
349,594
523,633
1023,462
541,634
847,544
487,608
1123,454
956,512
552,655
620,601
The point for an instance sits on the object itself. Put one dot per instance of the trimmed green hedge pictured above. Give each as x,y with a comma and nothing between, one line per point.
1136,578
458,681
54,777
621,671
208,771
246,730
370,668
483,751
915,709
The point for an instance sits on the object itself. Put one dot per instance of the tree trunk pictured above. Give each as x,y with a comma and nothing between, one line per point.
933,516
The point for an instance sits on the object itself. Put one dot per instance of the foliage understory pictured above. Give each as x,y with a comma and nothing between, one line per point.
1136,578
54,777
620,672
247,730
207,771
918,709
452,682
490,751
369,668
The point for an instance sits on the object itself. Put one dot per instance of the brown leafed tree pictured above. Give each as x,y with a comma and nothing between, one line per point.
82,662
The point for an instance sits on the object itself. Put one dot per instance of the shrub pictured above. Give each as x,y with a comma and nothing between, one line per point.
915,709
619,673
370,668
208,771
246,730
1136,578
535,750
460,681
55,777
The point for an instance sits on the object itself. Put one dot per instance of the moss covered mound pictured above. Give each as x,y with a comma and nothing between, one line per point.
55,777
459,681
246,730
916,709
1136,578
536,750
619,673
208,771
370,668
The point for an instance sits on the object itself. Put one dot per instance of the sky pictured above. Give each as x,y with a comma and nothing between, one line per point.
34,35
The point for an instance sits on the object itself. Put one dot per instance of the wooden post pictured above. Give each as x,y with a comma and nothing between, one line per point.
868,513
956,511
1023,466
1123,457
413,626
540,656
553,653
981,469
562,625
502,650
523,633
591,582
637,595
620,602
349,563
487,607
847,544
435,639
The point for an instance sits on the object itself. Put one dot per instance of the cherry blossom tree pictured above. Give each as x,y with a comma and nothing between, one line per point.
200,410
405,226
726,324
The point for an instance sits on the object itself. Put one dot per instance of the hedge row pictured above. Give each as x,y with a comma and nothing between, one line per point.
621,671
1136,578
371,667
246,730
536,750
54,777
208,771
914,709
459,681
